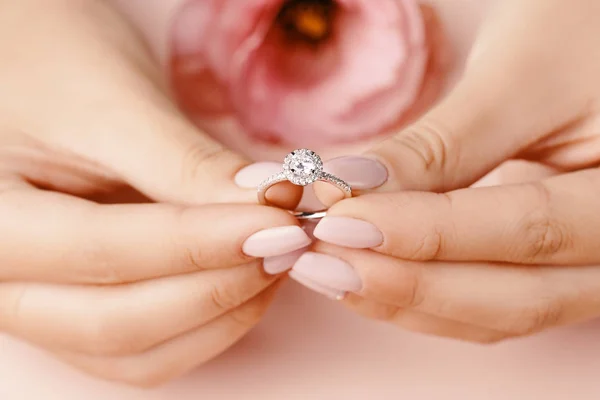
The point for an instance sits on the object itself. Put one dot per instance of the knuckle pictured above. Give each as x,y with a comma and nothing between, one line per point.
413,288
540,235
433,243
432,234
200,160
193,259
431,143
248,316
223,299
429,247
187,255
543,238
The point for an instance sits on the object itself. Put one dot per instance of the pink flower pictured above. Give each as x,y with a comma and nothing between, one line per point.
301,72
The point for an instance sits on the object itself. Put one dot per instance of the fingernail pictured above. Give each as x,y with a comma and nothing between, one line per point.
328,271
276,241
359,172
279,264
348,232
333,294
252,175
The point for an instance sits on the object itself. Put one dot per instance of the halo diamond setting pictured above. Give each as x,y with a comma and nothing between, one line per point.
302,167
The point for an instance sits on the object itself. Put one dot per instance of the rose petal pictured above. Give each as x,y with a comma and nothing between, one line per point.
378,48
361,80
234,23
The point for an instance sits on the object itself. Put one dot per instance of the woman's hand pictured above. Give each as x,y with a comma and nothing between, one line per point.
475,264
82,99
136,293
483,264
530,91
132,292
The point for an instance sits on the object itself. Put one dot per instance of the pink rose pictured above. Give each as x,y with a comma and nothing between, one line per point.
301,72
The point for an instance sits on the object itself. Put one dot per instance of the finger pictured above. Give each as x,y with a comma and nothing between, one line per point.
423,323
119,115
510,95
169,160
26,160
406,318
503,298
554,221
517,171
125,319
179,355
53,237
193,168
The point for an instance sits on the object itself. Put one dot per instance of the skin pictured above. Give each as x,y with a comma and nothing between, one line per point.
487,264
110,257
64,254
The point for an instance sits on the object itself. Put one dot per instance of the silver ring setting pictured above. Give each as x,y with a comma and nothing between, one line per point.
303,167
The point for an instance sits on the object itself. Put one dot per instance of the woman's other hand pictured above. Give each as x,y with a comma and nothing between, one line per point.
138,293
482,264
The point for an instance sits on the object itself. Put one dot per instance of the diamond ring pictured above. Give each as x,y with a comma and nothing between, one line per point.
303,167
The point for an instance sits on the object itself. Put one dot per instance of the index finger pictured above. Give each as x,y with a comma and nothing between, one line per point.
554,221
53,237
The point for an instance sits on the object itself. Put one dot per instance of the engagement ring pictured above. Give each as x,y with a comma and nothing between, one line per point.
303,167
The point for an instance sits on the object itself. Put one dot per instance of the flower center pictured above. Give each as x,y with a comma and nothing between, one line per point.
307,20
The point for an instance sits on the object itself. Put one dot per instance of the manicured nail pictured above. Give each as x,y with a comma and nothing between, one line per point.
348,232
252,175
328,271
359,172
333,294
279,264
276,241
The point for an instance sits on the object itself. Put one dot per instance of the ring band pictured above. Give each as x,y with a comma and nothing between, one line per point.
303,167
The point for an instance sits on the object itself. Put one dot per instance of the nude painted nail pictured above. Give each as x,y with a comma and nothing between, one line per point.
348,232
333,294
252,175
328,271
279,264
276,241
359,172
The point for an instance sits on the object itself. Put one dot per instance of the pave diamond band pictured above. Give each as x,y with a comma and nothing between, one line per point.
303,167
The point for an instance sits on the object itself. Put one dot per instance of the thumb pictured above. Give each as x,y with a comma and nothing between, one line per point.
150,145
477,127
510,96
107,101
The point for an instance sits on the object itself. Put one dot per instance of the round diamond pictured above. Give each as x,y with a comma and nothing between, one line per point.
302,167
